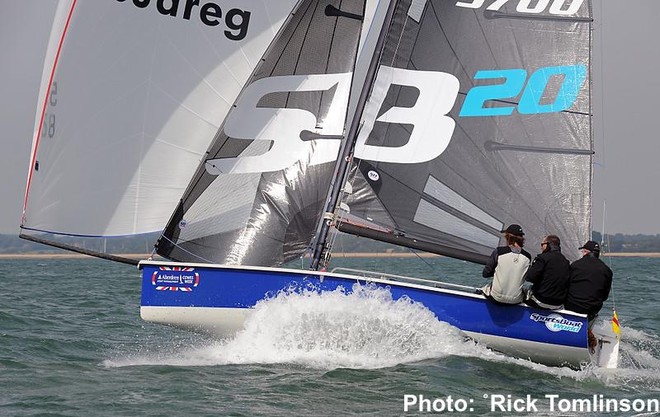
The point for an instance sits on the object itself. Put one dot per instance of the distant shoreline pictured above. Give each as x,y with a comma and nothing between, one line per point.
138,256
431,255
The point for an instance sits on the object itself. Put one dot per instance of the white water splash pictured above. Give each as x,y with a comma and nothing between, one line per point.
365,328
639,364
640,350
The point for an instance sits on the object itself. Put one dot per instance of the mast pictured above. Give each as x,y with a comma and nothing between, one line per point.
343,162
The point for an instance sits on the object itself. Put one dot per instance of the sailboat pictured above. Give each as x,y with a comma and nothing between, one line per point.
428,124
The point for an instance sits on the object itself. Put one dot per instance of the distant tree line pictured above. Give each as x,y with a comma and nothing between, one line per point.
344,243
628,243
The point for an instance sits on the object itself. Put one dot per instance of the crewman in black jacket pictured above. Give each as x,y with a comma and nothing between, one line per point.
549,276
590,282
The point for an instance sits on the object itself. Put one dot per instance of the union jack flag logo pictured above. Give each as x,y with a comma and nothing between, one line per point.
175,278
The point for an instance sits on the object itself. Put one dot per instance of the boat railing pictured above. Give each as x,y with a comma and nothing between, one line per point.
402,278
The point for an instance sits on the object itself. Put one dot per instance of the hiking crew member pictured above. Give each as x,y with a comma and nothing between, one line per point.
548,274
590,282
507,265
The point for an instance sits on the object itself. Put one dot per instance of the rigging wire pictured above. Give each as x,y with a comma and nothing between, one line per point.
605,243
431,267
187,251
604,238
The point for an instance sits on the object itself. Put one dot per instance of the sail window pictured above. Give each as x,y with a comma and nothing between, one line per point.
444,194
438,219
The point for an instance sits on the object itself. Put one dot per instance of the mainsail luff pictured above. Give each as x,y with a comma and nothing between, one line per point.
592,134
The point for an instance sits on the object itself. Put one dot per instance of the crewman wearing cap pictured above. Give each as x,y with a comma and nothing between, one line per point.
507,265
590,282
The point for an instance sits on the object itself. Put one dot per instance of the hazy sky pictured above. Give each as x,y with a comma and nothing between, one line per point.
24,32
626,84
626,87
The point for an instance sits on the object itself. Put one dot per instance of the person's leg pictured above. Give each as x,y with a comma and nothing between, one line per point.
593,342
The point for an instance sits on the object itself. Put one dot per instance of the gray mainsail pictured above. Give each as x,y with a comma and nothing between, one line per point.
258,196
479,116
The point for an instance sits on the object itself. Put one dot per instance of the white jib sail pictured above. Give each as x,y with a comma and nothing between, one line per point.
132,93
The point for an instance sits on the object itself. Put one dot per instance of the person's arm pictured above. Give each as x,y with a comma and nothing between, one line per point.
489,268
535,270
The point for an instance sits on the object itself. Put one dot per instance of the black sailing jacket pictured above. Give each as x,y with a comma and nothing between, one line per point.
590,284
549,275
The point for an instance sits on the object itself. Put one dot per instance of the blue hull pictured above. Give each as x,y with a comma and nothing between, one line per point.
519,330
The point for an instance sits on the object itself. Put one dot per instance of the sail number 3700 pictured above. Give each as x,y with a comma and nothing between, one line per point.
557,7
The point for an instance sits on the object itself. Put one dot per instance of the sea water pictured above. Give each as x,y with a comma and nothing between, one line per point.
72,344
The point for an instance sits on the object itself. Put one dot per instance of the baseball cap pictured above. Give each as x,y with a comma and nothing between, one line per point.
514,229
591,246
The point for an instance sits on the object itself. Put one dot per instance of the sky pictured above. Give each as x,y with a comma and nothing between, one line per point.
626,87
627,162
